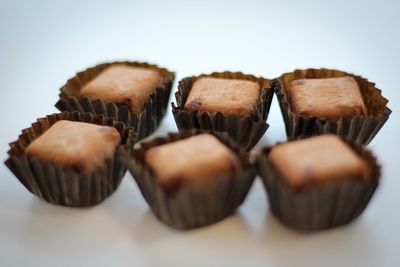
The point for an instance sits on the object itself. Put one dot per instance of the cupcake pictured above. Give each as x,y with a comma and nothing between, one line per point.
70,159
230,102
322,101
191,180
319,182
130,92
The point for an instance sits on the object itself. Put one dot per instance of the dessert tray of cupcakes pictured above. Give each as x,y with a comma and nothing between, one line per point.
322,177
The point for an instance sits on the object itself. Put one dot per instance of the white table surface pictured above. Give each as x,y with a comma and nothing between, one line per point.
43,43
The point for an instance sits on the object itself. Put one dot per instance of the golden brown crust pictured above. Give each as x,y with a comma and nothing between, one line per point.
195,159
329,98
124,84
317,159
78,145
228,96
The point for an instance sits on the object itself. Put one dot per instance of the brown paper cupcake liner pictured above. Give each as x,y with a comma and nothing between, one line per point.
318,206
191,206
247,131
144,123
67,186
358,129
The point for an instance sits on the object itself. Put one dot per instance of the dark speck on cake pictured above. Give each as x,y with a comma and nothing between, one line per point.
298,82
195,103
126,102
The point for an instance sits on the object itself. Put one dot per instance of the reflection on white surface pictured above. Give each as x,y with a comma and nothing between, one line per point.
43,43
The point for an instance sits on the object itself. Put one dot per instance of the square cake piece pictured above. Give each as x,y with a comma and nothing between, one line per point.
228,96
316,159
78,145
123,84
194,159
329,98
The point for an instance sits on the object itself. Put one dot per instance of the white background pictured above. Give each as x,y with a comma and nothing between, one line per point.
43,43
